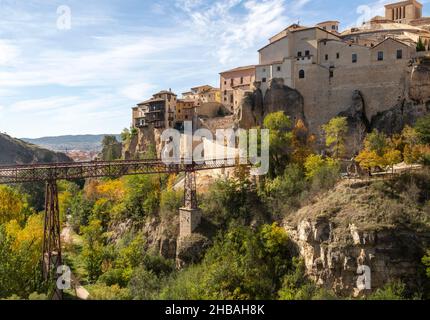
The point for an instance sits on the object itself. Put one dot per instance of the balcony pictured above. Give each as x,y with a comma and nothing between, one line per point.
140,123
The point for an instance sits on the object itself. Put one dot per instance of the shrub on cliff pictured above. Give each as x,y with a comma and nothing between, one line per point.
242,264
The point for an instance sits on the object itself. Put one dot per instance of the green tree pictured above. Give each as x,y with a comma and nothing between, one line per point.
279,125
422,128
93,249
111,149
376,141
242,264
335,134
420,45
125,135
426,262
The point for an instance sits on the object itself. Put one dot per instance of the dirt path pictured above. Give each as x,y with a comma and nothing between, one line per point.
68,237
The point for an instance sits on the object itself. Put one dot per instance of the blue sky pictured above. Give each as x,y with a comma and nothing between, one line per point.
85,79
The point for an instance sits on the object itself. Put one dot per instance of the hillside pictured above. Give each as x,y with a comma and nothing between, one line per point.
17,151
66,143
382,224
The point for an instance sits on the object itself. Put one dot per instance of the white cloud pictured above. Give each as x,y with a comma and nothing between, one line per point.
137,91
229,34
8,53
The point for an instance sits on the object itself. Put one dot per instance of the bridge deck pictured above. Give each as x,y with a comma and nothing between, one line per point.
98,169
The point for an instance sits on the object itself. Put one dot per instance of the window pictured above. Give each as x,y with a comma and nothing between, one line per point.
279,68
307,53
333,27
354,58
225,82
241,80
231,98
264,80
299,54
380,55
301,74
400,54
331,73
232,82
326,57
337,55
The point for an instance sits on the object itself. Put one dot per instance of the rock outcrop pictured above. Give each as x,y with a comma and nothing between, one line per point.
419,87
345,232
280,97
358,124
395,119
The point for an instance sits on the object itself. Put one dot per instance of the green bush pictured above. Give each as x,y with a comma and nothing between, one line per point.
296,286
144,285
243,264
392,291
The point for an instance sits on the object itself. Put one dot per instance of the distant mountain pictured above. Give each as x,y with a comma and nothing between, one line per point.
15,151
88,143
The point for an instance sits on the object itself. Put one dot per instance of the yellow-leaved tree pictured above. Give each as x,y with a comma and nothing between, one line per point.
13,205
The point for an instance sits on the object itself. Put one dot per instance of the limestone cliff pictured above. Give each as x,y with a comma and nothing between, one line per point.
358,124
395,119
279,97
363,223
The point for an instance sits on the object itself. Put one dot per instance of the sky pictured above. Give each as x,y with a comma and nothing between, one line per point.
78,67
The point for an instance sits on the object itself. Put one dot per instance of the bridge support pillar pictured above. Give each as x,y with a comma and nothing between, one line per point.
51,258
189,215
189,218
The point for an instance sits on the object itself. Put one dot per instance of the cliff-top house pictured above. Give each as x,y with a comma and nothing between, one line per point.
327,66
234,83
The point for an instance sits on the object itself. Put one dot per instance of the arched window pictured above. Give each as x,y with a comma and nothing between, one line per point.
301,74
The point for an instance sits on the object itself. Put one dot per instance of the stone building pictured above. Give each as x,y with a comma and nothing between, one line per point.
234,83
203,94
159,111
327,68
185,110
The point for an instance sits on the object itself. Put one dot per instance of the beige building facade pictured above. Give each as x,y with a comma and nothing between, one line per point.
327,67
203,94
159,111
234,83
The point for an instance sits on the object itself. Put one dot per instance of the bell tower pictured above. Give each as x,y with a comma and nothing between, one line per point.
404,11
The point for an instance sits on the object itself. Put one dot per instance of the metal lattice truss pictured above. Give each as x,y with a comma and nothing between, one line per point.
99,169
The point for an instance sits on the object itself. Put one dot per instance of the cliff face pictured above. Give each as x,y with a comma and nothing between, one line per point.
345,230
279,97
412,103
14,151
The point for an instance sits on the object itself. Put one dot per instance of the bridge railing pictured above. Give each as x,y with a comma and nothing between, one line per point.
99,169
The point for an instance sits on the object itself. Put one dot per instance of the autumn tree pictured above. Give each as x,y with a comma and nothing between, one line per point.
335,135
392,157
302,142
369,159
13,205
